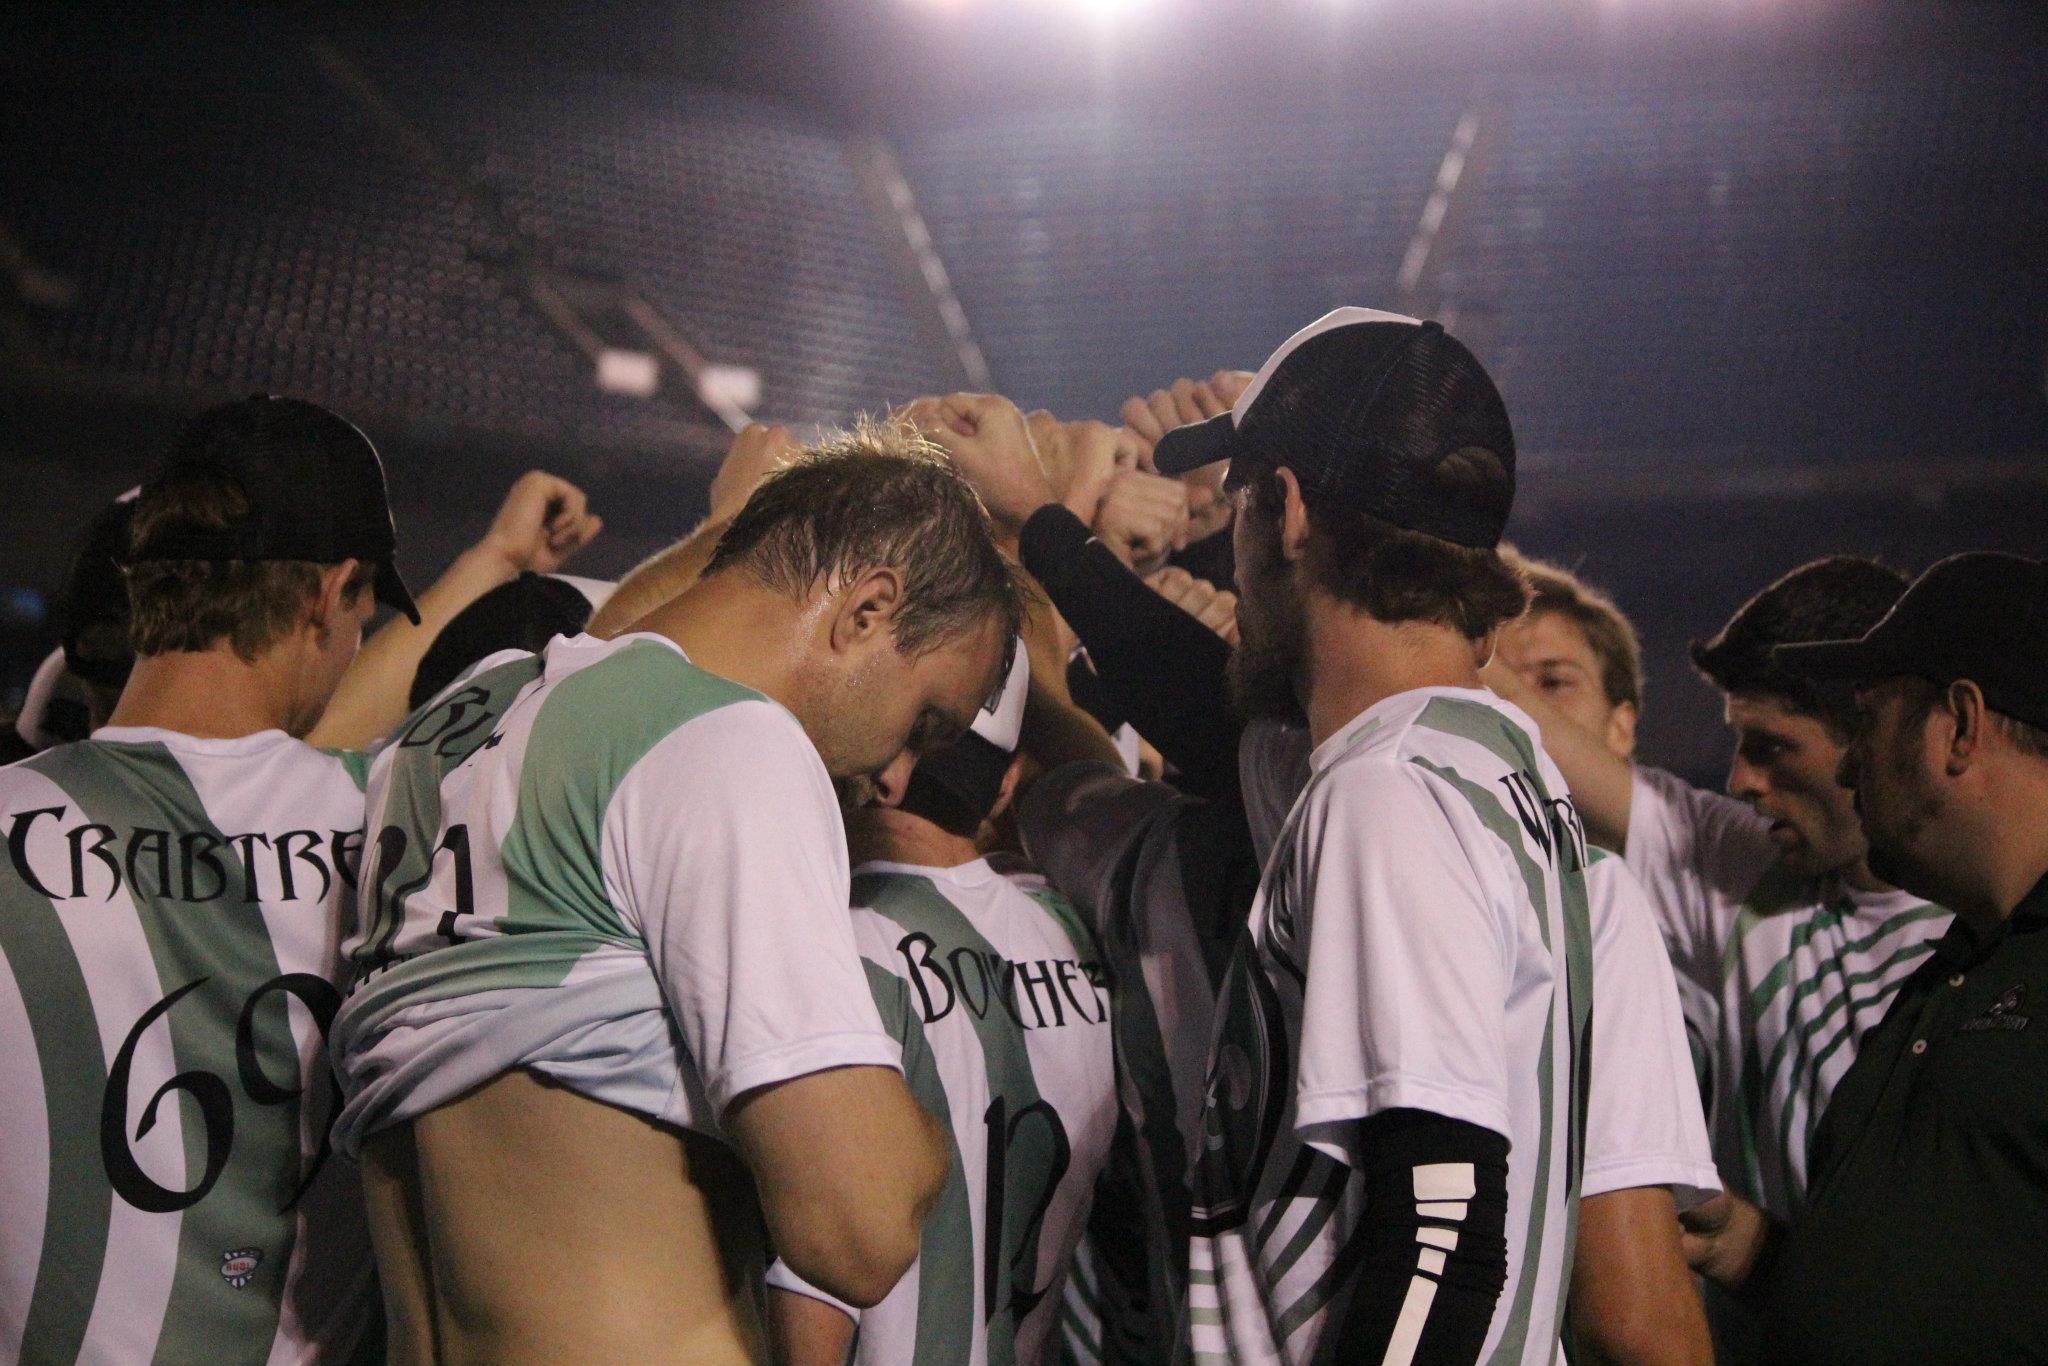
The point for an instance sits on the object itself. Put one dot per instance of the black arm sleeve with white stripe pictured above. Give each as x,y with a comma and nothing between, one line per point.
1426,1272
1163,669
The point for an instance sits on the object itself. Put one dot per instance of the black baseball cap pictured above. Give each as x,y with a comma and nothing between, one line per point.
956,787
93,607
1980,616
1387,414
521,614
314,485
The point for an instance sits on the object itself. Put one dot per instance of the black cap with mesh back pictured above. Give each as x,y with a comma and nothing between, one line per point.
1385,414
314,486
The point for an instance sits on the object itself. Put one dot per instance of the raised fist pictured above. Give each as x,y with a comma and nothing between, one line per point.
543,521
1143,518
991,446
1214,607
1096,453
1183,402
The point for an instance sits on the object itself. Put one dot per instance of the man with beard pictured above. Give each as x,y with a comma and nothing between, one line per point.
1788,947
1412,999
1123,850
1921,1235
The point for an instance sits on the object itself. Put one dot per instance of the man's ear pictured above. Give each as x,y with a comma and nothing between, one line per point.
867,608
1964,701
1293,516
1621,729
893,782
1009,787
333,595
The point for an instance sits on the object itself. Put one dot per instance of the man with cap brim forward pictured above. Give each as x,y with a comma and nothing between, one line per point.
172,906
1395,1128
996,989
1927,1208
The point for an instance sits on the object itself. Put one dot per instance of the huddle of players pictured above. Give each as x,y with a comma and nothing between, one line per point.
1299,1058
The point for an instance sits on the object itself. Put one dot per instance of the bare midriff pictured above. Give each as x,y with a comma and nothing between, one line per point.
526,1225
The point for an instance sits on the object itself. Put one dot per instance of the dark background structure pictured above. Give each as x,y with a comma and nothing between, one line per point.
1760,281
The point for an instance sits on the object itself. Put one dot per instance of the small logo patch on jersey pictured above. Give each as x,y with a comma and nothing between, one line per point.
238,1268
2003,1013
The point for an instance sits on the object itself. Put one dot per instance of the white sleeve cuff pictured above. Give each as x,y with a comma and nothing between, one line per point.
800,1058
1690,1182
1316,1113
780,1277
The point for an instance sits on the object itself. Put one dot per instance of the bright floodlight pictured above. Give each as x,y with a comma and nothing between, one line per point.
1107,11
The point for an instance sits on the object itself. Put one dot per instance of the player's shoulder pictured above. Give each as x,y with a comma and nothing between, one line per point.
119,755
31,781
637,674
1037,897
1405,749
1370,794
623,697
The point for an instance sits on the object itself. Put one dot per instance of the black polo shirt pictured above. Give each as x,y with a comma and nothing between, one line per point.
1925,1236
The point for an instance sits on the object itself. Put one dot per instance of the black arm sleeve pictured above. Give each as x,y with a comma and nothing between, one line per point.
1419,1262
1160,667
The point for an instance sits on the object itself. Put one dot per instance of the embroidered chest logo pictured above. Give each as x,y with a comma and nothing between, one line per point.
2003,1013
238,1268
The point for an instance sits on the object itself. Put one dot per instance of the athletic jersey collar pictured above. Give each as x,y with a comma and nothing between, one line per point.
1880,905
975,873
570,651
192,744
1392,713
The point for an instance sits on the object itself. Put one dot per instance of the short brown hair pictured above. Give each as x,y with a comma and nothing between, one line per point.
1398,575
1557,590
880,495
177,605
1836,598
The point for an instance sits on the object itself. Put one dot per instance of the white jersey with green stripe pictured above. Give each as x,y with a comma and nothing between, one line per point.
1644,1126
998,995
171,912
1781,975
608,866
1420,940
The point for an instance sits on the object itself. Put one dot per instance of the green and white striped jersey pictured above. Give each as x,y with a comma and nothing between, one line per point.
1781,975
606,865
170,921
1420,940
996,991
